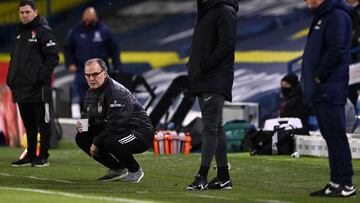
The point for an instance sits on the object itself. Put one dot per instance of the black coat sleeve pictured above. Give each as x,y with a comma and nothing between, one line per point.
226,28
69,49
50,55
114,51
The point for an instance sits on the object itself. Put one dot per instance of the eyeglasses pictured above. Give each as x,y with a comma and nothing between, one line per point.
93,74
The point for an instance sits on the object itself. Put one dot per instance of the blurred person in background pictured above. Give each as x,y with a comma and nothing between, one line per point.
325,79
211,74
355,42
118,125
292,104
34,56
354,88
89,39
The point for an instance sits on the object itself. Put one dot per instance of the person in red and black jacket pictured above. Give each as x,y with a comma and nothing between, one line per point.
34,56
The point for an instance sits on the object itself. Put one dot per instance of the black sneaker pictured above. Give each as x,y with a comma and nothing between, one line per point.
344,191
328,189
40,162
218,184
114,174
22,162
200,183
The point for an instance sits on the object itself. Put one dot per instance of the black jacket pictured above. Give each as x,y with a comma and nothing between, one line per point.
112,109
211,63
34,56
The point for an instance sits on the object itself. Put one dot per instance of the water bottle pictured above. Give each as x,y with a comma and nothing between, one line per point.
181,144
274,149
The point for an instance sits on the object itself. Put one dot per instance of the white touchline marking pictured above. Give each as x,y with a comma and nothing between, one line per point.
36,178
270,201
210,197
65,194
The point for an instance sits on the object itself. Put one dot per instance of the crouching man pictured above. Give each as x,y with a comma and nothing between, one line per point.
118,125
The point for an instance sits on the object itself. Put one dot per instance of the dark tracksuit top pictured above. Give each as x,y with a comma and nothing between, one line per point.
113,110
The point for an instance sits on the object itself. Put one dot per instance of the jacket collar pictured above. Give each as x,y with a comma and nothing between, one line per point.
102,87
325,7
31,24
329,5
91,27
203,8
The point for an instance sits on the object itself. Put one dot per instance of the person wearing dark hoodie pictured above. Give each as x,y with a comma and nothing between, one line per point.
325,78
211,74
34,56
292,104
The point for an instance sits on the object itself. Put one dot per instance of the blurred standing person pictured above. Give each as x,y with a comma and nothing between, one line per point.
34,56
325,78
89,39
211,74
355,42
354,88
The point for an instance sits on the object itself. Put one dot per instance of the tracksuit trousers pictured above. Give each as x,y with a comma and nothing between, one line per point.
117,150
331,119
36,119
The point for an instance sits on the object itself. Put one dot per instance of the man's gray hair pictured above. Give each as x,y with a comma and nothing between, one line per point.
99,61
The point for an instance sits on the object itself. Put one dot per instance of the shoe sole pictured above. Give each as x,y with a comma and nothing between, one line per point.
341,196
40,166
193,188
224,188
116,178
22,165
134,181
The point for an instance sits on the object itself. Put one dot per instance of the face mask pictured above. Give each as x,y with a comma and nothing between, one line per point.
286,91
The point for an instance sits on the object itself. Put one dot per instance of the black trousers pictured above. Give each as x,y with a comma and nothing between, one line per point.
117,150
36,118
331,118
214,138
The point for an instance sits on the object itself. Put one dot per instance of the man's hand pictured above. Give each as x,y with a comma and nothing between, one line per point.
94,151
72,68
78,126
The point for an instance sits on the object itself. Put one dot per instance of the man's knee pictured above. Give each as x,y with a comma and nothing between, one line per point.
210,132
213,129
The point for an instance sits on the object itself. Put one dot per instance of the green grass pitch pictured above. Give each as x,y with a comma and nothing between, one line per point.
71,178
